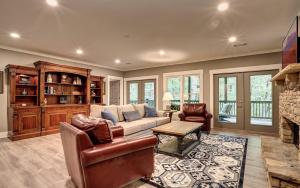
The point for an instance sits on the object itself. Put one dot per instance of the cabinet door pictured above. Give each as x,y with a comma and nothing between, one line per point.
28,120
54,118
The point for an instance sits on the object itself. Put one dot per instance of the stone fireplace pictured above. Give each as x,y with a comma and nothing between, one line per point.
282,155
289,110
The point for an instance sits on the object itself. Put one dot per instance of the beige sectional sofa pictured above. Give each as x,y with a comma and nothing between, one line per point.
134,126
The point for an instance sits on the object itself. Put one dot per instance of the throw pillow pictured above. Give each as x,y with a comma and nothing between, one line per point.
140,108
98,130
150,112
109,116
132,116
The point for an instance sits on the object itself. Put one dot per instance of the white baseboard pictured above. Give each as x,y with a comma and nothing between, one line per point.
3,134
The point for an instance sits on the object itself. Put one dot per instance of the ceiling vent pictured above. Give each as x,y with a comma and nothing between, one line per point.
240,45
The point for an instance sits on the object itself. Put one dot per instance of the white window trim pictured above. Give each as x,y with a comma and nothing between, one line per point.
121,79
234,70
142,78
181,74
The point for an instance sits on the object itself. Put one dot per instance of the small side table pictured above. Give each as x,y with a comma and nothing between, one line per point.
169,113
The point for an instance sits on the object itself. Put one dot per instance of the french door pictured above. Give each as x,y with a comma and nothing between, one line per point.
141,91
246,101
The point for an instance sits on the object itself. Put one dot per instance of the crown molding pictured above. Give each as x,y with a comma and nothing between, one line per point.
133,69
57,57
208,59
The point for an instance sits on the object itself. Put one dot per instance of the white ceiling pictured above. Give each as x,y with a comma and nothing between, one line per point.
135,30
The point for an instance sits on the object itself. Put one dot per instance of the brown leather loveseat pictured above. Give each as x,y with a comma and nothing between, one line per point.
107,165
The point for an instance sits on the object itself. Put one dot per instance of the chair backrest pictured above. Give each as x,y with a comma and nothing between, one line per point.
226,109
197,109
74,141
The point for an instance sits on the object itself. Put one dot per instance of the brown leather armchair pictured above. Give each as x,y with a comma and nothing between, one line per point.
113,164
196,113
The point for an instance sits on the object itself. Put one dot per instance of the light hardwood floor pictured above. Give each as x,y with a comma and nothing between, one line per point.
39,163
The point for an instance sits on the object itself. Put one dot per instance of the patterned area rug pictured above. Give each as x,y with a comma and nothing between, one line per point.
218,162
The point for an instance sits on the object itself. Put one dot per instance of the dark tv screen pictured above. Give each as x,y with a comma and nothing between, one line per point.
290,51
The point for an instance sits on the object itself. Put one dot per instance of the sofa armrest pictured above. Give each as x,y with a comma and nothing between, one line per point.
117,131
104,152
160,113
181,116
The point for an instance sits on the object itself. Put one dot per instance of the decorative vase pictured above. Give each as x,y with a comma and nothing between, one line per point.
49,78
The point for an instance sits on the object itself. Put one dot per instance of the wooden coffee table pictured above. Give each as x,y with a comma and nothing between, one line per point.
180,129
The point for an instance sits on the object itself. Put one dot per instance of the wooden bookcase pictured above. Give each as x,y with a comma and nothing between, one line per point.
40,98
97,90
23,110
64,92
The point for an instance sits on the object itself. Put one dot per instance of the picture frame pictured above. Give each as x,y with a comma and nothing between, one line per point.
1,81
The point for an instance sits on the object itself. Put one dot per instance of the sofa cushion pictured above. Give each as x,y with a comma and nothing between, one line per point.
158,120
150,112
96,110
114,110
138,125
130,127
132,116
195,119
140,108
124,108
162,120
109,116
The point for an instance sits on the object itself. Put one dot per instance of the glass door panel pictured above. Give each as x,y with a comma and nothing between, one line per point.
148,92
173,86
191,92
133,93
228,103
227,99
260,97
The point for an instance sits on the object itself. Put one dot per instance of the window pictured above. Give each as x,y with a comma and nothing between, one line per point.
185,87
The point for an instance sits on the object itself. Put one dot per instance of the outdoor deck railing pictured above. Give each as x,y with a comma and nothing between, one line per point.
259,109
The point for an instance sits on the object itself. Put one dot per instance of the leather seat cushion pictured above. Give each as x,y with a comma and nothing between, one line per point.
195,119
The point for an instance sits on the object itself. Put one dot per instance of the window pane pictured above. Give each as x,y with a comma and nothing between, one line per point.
261,99
133,93
173,86
227,99
149,93
191,90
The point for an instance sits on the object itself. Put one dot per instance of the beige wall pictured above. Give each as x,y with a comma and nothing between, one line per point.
10,57
254,60
17,58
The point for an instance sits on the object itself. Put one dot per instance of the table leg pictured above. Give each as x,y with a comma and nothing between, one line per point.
180,144
158,141
199,135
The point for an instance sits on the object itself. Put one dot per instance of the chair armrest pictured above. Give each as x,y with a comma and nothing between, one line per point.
104,152
117,131
181,116
208,115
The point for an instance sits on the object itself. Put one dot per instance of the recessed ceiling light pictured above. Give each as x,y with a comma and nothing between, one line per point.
79,51
223,6
117,61
52,3
162,52
15,35
232,39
